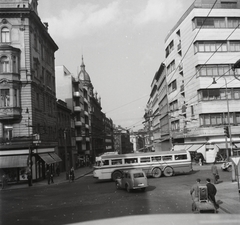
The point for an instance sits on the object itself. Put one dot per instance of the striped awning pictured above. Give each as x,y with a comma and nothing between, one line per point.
55,157
13,161
47,158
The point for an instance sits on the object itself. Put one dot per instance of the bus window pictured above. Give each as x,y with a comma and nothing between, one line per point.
145,159
180,157
156,158
105,162
167,157
116,161
130,160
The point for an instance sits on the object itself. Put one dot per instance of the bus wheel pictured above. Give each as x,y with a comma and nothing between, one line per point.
157,172
116,174
168,171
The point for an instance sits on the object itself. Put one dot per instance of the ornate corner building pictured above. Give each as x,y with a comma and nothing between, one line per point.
28,133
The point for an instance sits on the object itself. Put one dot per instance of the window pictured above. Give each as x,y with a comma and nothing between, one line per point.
156,158
209,22
215,119
4,98
167,158
173,105
5,35
180,157
233,22
116,161
172,86
5,66
210,46
137,175
214,70
171,67
175,125
145,159
234,46
130,160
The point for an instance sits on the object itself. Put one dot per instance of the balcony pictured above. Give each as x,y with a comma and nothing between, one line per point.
7,113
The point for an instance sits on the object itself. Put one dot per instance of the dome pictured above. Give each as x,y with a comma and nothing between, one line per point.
83,75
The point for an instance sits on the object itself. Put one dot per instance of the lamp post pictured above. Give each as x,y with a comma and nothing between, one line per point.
228,115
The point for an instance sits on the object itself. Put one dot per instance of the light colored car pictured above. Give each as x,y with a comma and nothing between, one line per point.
132,179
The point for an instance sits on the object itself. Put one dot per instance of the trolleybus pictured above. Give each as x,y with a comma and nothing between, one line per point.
155,164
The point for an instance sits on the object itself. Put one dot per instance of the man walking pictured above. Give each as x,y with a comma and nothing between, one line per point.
194,192
212,191
215,173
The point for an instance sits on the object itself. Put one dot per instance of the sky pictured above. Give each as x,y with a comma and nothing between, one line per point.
122,44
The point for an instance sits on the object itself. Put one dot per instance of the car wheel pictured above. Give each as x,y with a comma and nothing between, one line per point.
116,174
157,172
168,171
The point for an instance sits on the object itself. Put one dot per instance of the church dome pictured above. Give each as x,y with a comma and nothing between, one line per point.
83,75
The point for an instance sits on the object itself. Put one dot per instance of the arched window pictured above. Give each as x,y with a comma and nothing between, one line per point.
4,65
5,35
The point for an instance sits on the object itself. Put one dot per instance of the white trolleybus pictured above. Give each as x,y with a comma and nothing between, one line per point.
154,164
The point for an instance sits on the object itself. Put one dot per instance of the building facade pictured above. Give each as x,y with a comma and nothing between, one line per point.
28,134
201,48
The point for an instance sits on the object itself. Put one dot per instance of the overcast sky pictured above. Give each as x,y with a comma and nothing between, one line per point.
122,42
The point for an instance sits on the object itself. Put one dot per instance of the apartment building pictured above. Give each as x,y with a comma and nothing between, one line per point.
156,116
27,88
203,92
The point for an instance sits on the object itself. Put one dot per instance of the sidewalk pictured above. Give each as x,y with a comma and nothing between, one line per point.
227,192
80,172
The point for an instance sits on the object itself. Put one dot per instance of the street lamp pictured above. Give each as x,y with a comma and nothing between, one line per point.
228,115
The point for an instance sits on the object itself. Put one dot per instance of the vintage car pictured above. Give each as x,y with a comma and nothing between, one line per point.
132,179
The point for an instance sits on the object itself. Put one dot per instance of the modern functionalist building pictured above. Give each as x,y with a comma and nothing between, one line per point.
202,47
156,116
28,134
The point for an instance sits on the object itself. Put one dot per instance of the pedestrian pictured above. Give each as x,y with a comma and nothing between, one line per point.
58,171
200,162
215,173
4,181
29,177
48,176
212,191
194,192
52,178
72,174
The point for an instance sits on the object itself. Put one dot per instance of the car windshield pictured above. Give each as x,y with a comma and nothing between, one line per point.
138,175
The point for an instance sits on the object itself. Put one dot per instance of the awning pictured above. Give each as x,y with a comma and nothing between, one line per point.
13,161
47,158
194,148
55,157
222,145
181,147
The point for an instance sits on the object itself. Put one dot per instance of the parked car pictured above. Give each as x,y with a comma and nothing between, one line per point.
132,179
227,166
